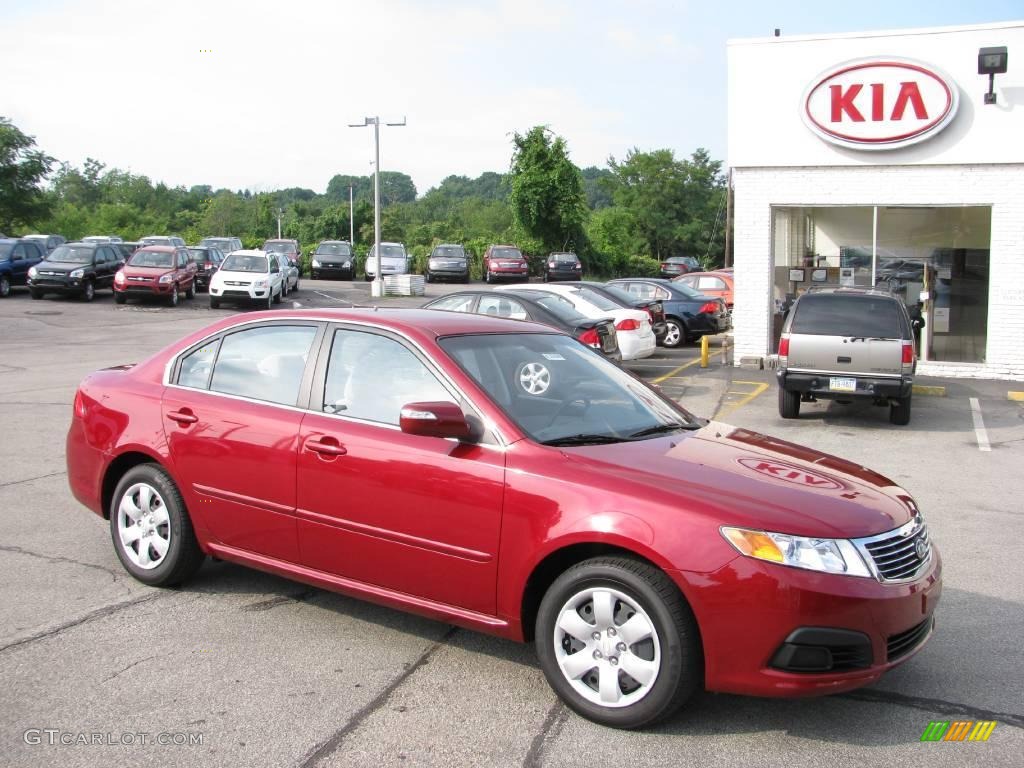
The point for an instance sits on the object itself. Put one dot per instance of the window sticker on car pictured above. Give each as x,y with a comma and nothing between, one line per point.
553,356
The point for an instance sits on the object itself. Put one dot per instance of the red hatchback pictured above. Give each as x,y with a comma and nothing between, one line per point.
156,271
498,475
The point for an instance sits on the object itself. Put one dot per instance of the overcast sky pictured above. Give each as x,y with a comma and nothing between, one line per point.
258,95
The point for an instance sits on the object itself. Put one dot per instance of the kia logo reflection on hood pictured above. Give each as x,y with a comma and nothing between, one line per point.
791,474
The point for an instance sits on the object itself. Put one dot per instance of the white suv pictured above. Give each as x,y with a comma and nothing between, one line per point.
247,276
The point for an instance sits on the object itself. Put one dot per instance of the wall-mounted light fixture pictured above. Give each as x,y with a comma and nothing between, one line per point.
991,62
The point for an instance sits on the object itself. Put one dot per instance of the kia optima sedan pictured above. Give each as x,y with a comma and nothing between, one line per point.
498,475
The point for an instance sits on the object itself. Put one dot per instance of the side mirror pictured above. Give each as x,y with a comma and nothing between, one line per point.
439,419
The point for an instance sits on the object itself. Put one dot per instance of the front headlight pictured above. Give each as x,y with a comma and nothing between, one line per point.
77,273
824,555
168,278
347,264
316,263
259,285
32,272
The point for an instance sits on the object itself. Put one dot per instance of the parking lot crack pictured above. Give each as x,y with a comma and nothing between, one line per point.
51,559
331,746
549,731
30,479
122,671
99,613
934,705
266,605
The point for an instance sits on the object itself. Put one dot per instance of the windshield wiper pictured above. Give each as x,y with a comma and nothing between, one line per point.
583,440
661,428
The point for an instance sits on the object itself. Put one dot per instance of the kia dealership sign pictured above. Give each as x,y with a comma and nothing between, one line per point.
879,103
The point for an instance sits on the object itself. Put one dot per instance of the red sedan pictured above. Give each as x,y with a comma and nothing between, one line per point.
498,475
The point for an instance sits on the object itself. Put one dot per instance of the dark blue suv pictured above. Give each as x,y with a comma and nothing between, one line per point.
16,257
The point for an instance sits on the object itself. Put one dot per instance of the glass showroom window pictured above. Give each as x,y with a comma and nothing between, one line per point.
915,251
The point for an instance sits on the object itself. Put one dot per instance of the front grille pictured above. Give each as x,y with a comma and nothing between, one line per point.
236,282
235,294
901,554
905,642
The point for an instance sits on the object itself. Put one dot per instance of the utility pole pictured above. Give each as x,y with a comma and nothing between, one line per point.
351,219
377,287
279,212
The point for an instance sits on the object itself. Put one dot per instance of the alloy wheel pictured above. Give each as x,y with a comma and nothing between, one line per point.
143,526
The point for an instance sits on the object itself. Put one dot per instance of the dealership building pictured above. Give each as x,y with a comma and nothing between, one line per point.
884,158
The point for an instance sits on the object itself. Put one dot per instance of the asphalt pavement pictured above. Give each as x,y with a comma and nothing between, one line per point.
242,668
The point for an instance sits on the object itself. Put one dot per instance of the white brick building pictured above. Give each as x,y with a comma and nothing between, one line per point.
868,157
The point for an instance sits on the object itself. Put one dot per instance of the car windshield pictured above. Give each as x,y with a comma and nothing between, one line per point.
508,253
334,249
564,257
600,301
871,317
278,247
146,258
560,393
71,255
237,262
449,252
395,251
222,244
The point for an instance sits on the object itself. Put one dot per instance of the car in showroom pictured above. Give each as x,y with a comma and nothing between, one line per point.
563,266
633,326
163,272
247,277
689,315
847,344
499,476
75,269
17,257
538,307
333,260
394,260
447,261
505,262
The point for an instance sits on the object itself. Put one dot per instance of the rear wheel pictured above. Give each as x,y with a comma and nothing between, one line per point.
618,643
899,412
191,292
789,404
675,333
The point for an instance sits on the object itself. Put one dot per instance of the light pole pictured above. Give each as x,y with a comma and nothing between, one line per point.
377,287
279,212
351,220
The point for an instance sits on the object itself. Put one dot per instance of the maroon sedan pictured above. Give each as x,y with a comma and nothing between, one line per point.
498,475
156,271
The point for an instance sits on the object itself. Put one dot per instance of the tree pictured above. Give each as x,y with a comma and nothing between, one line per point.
597,183
22,168
547,198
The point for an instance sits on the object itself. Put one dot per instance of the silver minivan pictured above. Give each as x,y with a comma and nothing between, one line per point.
844,344
393,260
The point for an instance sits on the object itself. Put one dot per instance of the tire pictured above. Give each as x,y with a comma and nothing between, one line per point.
426,277
214,303
147,502
297,283
88,291
172,298
789,404
5,286
35,294
191,292
666,648
277,296
675,334
899,412
119,298
489,278
268,303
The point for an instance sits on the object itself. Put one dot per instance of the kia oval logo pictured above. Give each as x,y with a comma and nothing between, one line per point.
791,474
878,104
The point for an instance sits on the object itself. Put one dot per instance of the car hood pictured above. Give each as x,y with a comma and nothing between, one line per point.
751,480
60,266
251,276
149,272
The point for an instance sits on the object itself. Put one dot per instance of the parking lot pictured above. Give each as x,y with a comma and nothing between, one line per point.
267,672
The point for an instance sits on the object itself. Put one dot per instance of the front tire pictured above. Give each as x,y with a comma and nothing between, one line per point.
675,334
618,643
5,286
88,291
277,296
214,303
119,298
899,412
36,295
172,298
789,404
151,529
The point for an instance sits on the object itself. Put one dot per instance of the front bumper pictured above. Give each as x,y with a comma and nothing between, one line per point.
239,295
817,384
69,286
502,273
448,273
142,290
749,612
331,272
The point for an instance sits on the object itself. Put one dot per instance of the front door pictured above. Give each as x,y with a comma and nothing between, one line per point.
418,515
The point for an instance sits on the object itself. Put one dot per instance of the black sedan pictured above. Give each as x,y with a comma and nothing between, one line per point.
688,313
653,307
538,307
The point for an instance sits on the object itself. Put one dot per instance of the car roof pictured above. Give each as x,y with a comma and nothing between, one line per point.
339,242
853,291
81,244
714,272
155,248
249,252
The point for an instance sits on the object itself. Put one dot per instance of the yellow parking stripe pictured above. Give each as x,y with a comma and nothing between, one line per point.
925,389
745,397
1016,396
673,372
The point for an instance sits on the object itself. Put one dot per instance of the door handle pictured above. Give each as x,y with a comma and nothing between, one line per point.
324,448
183,417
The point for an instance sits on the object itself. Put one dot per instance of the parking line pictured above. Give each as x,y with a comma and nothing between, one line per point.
673,372
927,389
759,388
979,426
1015,396
334,298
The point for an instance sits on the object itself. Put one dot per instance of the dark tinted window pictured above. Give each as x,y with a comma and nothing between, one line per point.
833,315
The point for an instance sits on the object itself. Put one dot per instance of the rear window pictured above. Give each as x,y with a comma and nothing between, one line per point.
861,316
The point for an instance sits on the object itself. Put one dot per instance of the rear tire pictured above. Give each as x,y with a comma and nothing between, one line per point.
899,412
789,404
675,334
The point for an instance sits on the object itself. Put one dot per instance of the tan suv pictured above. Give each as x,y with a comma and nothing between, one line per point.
843,344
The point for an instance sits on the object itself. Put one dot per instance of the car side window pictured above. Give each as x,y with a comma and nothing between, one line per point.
265,363
196,367
660,293
373,377
710,283
454,303
18,252
502,307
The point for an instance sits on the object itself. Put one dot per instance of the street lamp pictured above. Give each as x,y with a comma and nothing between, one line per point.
351,221
377,287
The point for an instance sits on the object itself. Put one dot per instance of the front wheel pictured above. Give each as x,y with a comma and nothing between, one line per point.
618,643
37,295
214,303
369,278
789,404
5,286
88,291
151,529
489,278
277,296
119,298
172,298
675,334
